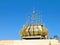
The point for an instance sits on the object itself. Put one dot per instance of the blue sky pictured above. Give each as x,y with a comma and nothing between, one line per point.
13,14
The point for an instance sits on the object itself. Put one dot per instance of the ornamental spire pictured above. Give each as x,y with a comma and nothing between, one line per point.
34,30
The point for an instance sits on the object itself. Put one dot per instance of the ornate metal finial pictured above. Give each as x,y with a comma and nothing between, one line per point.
29,31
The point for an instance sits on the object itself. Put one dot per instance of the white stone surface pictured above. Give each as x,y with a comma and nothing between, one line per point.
29,42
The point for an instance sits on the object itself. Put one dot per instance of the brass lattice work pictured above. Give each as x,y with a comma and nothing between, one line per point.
34,30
